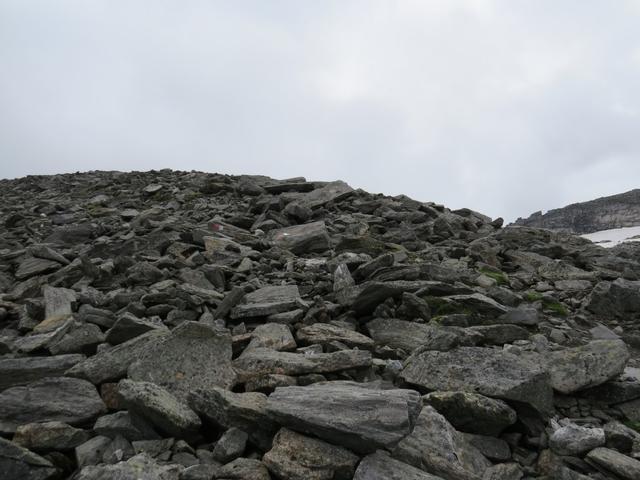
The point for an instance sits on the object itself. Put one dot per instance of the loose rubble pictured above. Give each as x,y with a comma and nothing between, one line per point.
193,326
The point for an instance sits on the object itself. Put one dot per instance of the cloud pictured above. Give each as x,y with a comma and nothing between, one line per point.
505,107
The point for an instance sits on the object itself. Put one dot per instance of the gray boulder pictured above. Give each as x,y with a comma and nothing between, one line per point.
69,400
574,369
572,439
350,414
298,457
324,333
128,326
50,436
300,239
20,371
140,467
489,372
192,356
267,301
615,299
380,466
626,468
18,463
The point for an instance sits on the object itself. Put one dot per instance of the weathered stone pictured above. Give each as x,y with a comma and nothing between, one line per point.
324,333
572,439
626,468
380,466
300,239
159,407
246,411
244,469
436,447
331,192
297,457
124,424
473,413
504,471
70,400
276,336
578,368
347,413
91,451
615,299
50,436
20,371
486,371
267,301
31,267
620,437
499,334
18,463
260,361
192,356
231,445
526,316
58,301
140,467
112,364
495,449
373,293
128,326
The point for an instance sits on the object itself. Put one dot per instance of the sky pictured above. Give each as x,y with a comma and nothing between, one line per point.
503,106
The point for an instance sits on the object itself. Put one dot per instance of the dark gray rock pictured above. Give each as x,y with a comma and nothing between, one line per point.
192,356
324,333
230,445
18,463
301,239
346,413
380,466
50,436
91,451
124,424
31,267
20,371
140,467
295,456
70,400
267,301
244,469
489,372
624,467
128,326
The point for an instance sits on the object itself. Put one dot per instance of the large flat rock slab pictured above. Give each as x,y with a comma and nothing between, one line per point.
486,371
300,239
20,371
193,356
574,369
381,466
69,400
18,463
267,301
353,415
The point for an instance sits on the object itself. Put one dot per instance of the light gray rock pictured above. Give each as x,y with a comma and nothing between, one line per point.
615,299
23,370
332,191
436,447
244,469
140,467
380,466
192,356
159,407
109,365
267,301
525,316
349,414
324,333
30,267
574,369
18,463
50,436
572,439
504,471
276,336
489,372
80,337
260,361
301,239
298,457
473,413
70,400
624,467
57,301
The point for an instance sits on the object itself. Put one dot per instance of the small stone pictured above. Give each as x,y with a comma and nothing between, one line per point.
230,446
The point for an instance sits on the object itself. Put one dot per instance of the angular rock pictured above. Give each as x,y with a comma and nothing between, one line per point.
572,439
261,361
324,333
380,466
615,299
347,413
489,372
140,467
124,424
20,371
298,457
331,192
626,468
80,337
436,447
473,413
301,239
50,436
373,293
128,326
525,316
58,301
159,407
70,400
112,364
275,336
244,469
192,356
31,267
574,369
18,463
267,301
91,451
230,446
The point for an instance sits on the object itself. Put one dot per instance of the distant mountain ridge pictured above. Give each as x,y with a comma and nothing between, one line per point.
615,211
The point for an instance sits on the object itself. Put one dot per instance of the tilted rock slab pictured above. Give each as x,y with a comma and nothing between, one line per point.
380,466
349,414
486,371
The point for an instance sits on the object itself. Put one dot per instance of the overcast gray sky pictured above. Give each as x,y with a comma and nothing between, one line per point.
503,106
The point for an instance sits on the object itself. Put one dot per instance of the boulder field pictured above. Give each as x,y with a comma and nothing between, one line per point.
191,326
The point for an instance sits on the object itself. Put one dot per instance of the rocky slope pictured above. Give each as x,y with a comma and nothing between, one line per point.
180,325
604,213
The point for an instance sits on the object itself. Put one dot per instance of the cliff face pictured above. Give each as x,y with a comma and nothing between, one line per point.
616,211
